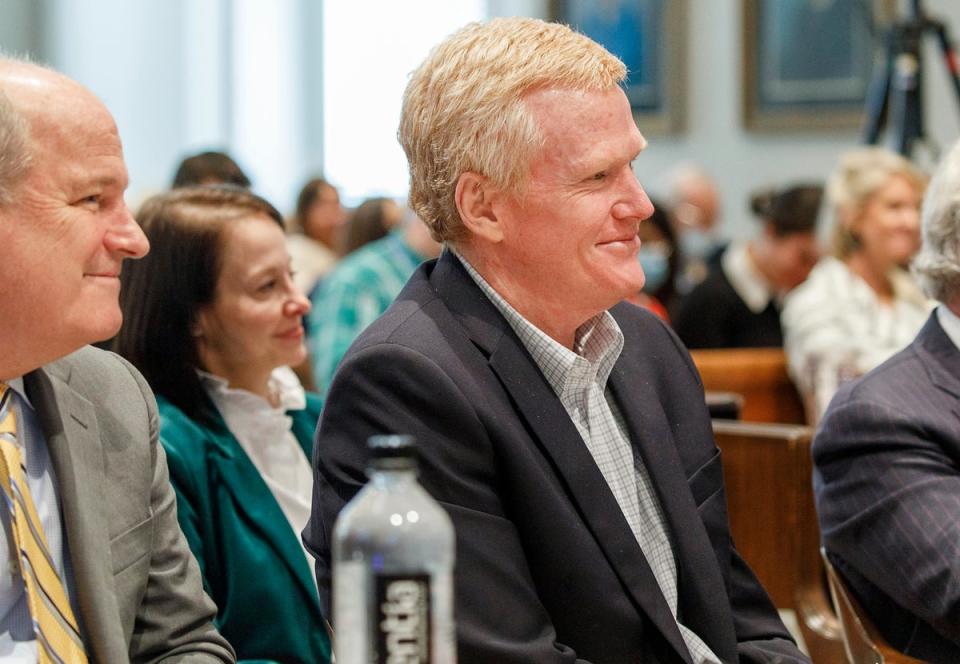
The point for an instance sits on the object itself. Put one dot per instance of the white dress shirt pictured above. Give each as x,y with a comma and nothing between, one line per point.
264,433
747,281
950,323
17,639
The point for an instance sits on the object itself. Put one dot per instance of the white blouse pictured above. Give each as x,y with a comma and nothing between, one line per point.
264,433
836,328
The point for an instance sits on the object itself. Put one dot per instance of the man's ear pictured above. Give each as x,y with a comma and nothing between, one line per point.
474,196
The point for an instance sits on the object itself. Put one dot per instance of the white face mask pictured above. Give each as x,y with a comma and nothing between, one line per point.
696,243
655,261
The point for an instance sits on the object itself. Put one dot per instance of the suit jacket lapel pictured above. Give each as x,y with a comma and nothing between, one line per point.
940,356
701,588
253,497
72,433
558,438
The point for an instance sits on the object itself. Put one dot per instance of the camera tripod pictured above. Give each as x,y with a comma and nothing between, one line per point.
896,91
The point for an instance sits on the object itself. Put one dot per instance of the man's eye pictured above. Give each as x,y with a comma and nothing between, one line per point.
268,286
599,176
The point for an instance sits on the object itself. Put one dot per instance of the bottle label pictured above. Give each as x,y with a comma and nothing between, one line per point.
402,618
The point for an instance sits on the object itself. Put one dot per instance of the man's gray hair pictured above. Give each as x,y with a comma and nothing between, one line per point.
14,147
937,266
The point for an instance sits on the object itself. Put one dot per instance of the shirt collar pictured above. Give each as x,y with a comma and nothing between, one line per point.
950,323
752,287
16,384
597,343
283,382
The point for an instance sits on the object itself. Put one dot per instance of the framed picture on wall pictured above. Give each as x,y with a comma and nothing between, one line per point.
807,64
649,36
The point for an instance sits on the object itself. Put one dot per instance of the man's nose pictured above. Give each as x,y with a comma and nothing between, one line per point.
125,237
635,204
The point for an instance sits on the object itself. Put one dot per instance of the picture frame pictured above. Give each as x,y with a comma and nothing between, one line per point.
807,64
650,37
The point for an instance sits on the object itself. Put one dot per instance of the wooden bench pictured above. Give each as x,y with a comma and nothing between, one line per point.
861,640
767,471
759,375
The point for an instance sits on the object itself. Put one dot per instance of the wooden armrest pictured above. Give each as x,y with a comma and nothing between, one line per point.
861,640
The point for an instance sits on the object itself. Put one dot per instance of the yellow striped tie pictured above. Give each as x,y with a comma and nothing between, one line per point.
58,639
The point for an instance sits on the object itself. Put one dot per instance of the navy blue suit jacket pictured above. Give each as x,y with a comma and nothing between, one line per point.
547,567
887,482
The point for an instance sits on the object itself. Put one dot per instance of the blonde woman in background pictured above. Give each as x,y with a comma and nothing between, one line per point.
859,306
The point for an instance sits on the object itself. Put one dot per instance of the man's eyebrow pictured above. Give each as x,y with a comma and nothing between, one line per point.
104,181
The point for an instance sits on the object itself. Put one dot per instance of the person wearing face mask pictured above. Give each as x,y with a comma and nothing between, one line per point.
696,212
738,304
659,257
213,320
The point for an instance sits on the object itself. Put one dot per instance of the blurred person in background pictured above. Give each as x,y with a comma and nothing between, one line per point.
660,258
372,220
315,233
696,210
361,288
213,320
738,304
210,167
859,306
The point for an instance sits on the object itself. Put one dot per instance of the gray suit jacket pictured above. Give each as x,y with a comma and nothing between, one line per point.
887,484
139,591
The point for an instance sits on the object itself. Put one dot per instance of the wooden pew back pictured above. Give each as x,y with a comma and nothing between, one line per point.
861,640
759,375
767,470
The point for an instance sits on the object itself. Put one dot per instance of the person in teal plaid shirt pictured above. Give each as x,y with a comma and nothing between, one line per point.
359,289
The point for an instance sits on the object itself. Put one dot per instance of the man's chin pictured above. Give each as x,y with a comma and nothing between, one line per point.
104,328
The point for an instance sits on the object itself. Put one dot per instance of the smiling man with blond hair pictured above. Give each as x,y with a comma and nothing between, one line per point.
565,432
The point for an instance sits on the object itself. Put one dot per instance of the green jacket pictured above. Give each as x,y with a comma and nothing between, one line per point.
252,562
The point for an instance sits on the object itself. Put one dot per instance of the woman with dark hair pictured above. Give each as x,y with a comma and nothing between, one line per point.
738,304
315,232
213,321
372,220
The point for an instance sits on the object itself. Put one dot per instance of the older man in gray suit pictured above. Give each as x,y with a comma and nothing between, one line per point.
98,568
887,458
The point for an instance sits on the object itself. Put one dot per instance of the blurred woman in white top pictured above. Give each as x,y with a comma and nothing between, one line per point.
860,305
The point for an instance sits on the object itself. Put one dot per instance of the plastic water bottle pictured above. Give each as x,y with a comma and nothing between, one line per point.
393,552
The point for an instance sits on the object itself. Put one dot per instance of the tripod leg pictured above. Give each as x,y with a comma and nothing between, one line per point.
877,97
906,103
949,57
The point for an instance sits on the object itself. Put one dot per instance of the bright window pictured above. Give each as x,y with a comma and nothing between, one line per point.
369,49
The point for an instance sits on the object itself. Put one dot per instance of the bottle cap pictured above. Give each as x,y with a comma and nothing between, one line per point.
394,450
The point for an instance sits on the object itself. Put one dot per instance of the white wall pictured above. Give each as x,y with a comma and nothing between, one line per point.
181,76
133,55
20,30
